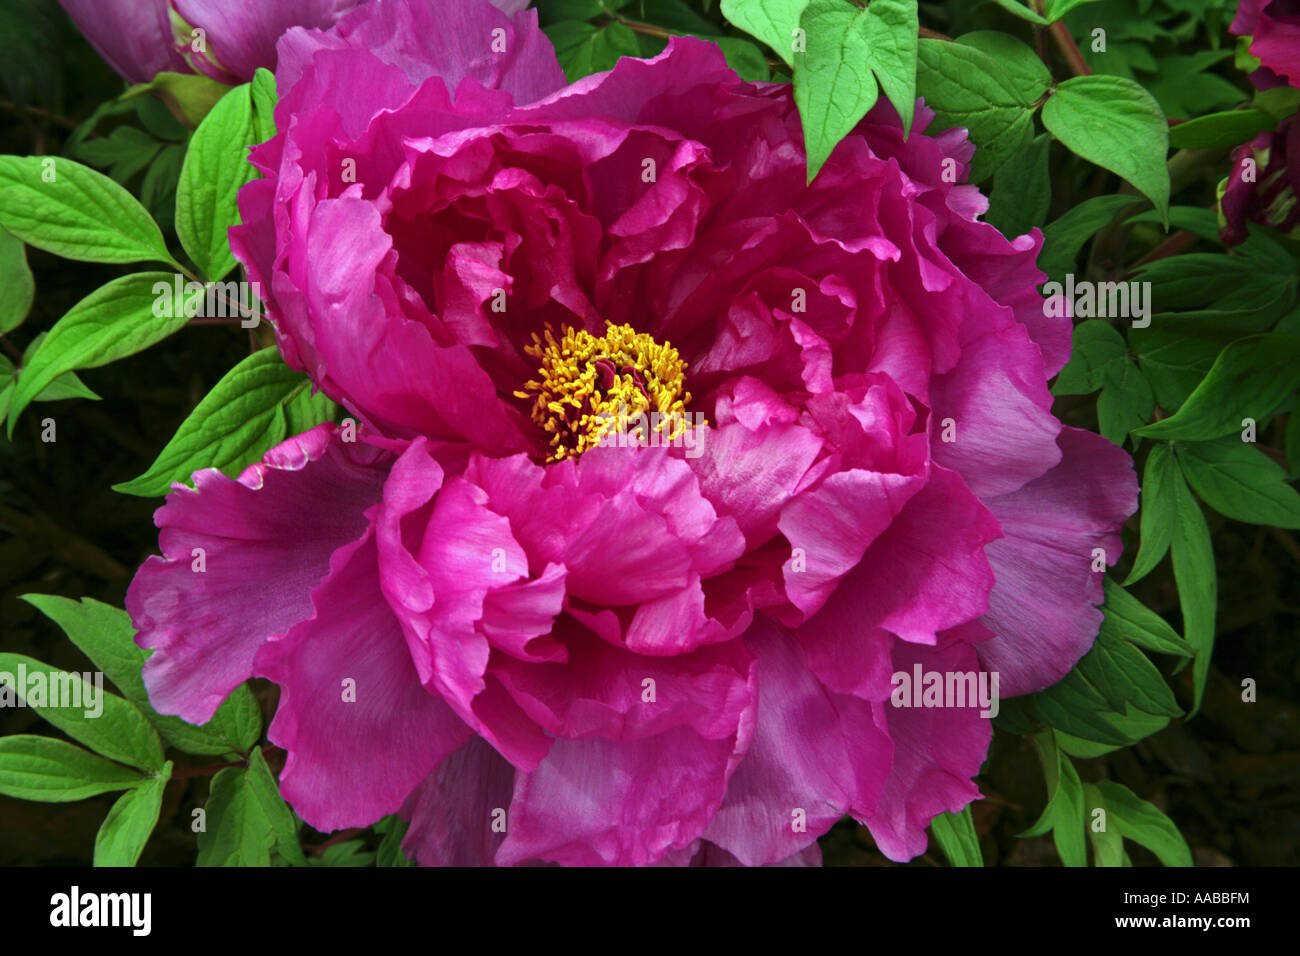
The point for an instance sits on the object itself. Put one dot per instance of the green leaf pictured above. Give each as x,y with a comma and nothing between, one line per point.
1292,440
216,166
1017,59
1219,130
1022,189
833,82
1129,619
955,834
1133,725
1107,843
772,21
237,831
1126,402
114,728
1158,479
265,99
126,829
349,853
55,771
17,287
1240,482
124,152
105,635
744,57
1077,707
234,424
1116,124
890,29
1177,351
1249,379
390,847
1055,9
1141,822
1198,587
264,787
1018,9
1096,348
1064,237
1063,814
1125,677
583,49
967,87
1184,88
114,321
74,212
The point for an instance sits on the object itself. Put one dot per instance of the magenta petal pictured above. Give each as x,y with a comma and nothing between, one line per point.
937,750
266,541
133,36
360,729
1043,607
808,763
458,814
595,802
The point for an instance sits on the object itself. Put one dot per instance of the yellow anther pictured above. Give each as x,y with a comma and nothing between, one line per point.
586,385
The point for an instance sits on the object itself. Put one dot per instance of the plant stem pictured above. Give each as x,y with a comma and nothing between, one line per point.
1069,49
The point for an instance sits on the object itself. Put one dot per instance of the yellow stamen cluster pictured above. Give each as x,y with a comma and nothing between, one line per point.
585,383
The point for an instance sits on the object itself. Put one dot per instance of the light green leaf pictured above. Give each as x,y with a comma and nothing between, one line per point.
272,805
1219,130
55,771
237,831
74,212
234,424
955,834
215,168
1017,59
772,21
17,287
1107,843
126,829
1158,479
833,82
101,720
1116,124
114,321
1143,823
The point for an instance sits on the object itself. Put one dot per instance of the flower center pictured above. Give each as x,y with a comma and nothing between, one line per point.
588,387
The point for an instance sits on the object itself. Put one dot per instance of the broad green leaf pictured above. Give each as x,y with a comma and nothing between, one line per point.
1249,379
890,29
105,635
1055,9
1064,237
278,815
1129,619
955,834
237,831
17,287
1198,586
55,771
775,22
1076,706
1022,189
1178,350
1019,9
967,87
114,321
1240,482
1107,843
584,49
126,829
1157,504
1116,124
1125,677
234,424
1219,130
1095,349
1126,401
1017,59
833,82
745,58
1143,823
216,166
265,99
74,212
101,720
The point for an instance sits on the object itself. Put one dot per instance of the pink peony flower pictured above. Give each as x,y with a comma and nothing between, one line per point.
1274,26
141,38
541,635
